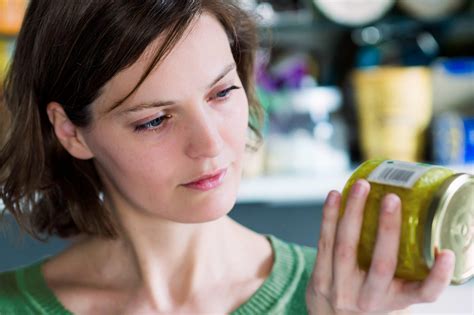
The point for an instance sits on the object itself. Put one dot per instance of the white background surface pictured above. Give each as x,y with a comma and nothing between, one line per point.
455,300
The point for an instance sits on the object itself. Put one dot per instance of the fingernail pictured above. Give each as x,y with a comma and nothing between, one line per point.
447,259
359,188
331,199
390,203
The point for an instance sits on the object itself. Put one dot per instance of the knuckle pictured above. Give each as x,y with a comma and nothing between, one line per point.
318,283
339,301
329,215
427,296
367,304
317,290
345,251
383,267
388,225
325,244
440,277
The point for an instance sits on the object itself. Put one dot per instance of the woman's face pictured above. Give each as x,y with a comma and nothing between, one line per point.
188,119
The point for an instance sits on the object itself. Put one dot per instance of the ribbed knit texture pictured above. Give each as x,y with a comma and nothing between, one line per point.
24,291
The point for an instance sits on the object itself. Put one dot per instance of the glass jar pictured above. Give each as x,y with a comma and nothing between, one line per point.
437,213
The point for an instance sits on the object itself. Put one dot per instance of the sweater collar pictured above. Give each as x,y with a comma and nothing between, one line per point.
268,296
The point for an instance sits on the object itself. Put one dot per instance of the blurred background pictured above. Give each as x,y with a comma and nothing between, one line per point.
341,81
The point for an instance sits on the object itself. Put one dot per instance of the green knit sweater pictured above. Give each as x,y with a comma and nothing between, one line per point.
23,291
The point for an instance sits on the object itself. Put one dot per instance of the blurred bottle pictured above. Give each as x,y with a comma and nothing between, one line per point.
453,139
11,16
6,49
306,137
394,108
453,85
453,105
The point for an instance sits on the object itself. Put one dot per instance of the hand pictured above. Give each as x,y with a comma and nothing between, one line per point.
339,286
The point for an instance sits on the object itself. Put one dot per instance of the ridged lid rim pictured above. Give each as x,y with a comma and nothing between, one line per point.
436,219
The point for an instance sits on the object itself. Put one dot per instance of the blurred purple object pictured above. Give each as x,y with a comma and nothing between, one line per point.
287,74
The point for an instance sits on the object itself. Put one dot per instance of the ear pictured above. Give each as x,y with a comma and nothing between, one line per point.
67,133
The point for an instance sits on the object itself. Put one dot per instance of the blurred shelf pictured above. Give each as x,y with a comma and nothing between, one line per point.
306,23
306,34
288,189
7,36
317,33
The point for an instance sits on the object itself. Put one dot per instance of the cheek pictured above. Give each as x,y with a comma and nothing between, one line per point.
128,162
238,125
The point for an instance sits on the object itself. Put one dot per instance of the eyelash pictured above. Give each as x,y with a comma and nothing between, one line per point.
149,126
225,92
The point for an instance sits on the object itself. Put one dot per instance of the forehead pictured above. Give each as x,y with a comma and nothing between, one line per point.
196,58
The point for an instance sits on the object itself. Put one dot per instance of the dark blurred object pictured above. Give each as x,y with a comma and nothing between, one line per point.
406,44
420,50
285,5
453,139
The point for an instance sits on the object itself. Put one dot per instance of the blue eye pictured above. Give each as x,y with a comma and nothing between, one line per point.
152,124
225,93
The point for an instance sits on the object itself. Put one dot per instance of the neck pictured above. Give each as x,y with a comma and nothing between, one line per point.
169,263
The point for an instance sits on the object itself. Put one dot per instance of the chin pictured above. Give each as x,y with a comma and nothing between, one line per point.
207,211
210,206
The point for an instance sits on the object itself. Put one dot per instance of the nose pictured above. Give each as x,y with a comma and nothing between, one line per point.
205,140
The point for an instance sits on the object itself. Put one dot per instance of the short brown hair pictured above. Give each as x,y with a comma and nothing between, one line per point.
66,52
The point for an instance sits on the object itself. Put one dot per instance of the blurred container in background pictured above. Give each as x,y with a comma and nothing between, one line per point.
354,12
453,85
430,10
453,106
394,106
303,133
6,50
11,16
453,139
305,137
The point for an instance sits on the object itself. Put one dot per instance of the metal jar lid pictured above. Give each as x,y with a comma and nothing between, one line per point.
450,225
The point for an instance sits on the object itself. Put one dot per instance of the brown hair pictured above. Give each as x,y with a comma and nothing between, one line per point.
66,51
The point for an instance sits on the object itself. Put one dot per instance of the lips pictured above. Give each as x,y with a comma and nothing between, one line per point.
208,182
207,177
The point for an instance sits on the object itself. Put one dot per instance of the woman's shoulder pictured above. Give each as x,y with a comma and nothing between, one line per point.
294,254
8,286
283,292
22,290
12,298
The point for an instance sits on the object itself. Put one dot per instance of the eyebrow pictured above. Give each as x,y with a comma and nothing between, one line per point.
155,104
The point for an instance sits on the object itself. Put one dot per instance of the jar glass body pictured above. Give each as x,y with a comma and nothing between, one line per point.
416,200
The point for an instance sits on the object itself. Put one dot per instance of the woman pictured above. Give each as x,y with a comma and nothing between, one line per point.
128,124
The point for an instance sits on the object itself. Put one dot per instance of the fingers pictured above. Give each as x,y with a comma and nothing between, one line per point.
431,288
322,274
384,258
348,232
440,276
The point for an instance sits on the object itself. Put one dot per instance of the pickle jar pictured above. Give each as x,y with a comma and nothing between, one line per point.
437,213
